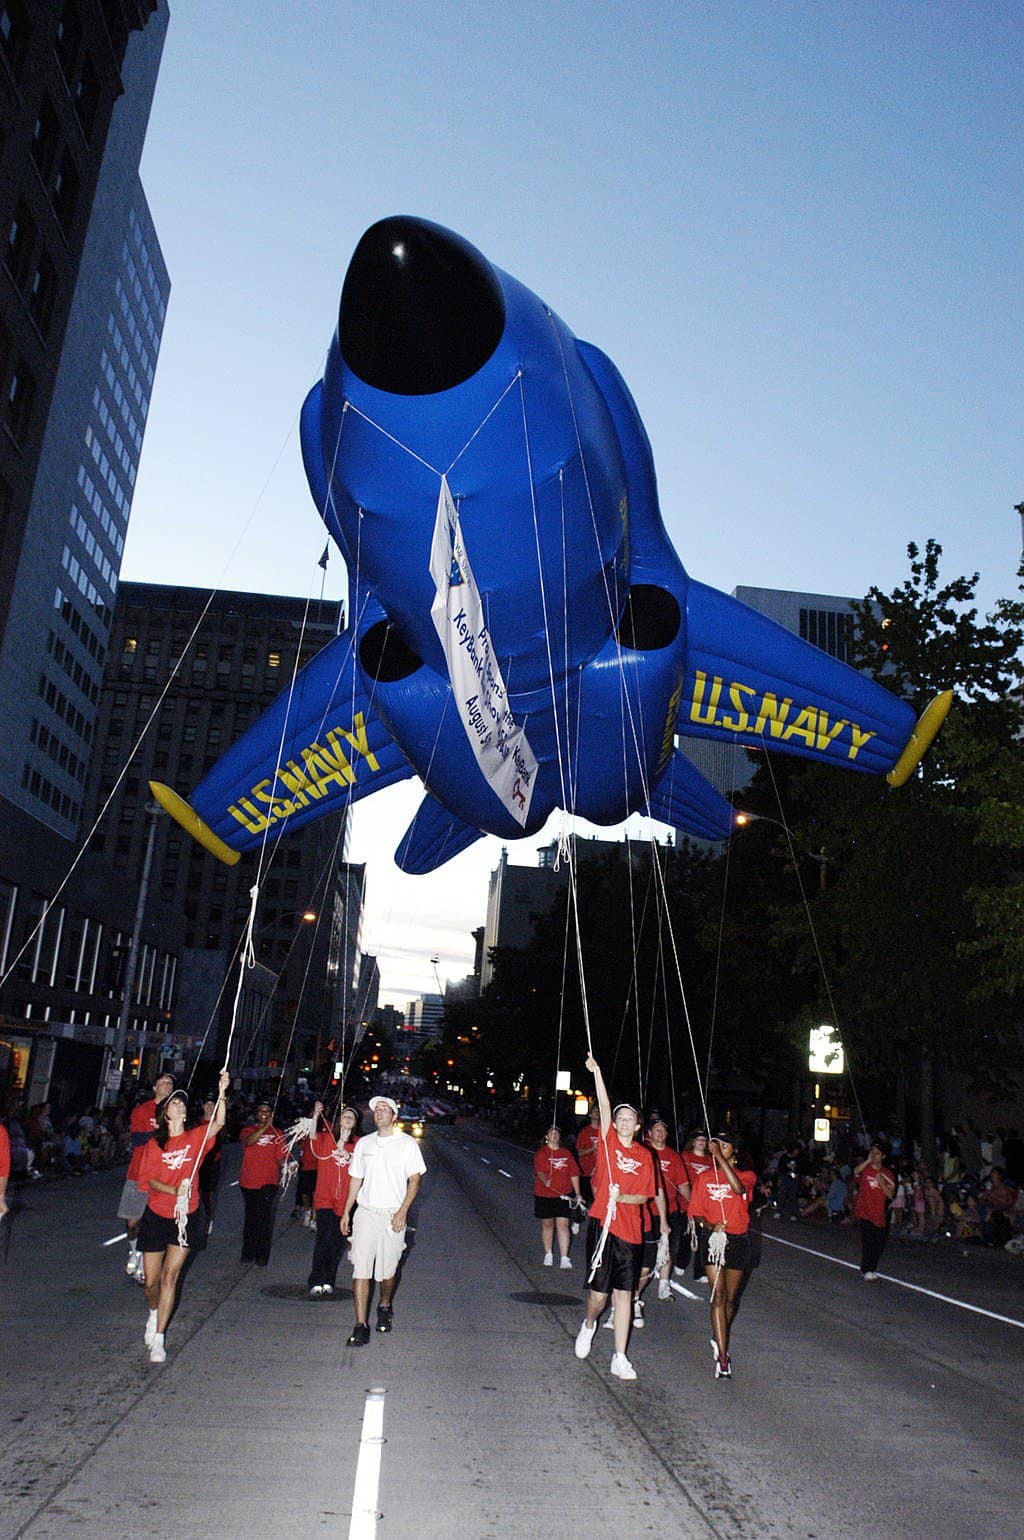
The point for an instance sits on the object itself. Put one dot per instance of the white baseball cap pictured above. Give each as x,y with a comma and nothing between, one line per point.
385,1101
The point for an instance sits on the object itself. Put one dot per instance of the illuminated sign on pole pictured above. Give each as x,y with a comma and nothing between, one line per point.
826,1055
563,1080
822,1130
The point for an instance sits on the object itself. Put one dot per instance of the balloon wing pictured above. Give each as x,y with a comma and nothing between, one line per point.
319,747
752,682
434,837
683,798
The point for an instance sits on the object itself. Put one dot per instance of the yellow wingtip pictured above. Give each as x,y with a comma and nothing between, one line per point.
192,824
921,739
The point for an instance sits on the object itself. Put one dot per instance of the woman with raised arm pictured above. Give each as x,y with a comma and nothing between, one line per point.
169,1172
623,1183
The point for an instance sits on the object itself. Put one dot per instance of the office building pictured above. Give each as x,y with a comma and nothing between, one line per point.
186,674
96,320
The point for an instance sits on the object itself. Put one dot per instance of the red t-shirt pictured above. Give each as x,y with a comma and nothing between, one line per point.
307,1160
673,1173
632,1171
5,1152
871,1200
557,1168
141,1127
172,1164
586,1148
713,1199
332,1174
694,1165
262,1160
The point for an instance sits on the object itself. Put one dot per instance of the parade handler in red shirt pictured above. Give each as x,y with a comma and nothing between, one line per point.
263,1152
132,1204
875,1186
5,1168
169,1173
556,1180
623,1182
384,1176
720,1205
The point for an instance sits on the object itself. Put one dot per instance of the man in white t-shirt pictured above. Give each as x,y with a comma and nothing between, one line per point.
385,1174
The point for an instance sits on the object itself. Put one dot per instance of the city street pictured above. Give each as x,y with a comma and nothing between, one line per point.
856,1410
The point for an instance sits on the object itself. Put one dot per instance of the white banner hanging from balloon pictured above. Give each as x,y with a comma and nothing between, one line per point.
501,747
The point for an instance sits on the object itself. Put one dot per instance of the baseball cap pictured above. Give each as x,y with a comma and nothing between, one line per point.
377,1101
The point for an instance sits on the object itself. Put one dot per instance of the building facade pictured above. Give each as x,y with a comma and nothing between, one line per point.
61,65
186,674
60,606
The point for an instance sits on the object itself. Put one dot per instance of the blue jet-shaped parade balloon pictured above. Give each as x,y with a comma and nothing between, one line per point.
521,634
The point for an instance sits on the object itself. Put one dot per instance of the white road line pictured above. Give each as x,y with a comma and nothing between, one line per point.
367,1484
115,1238
901,1283
232,1184
505,1173
486,1161
688,1292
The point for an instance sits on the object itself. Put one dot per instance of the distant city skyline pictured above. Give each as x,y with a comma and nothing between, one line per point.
796,231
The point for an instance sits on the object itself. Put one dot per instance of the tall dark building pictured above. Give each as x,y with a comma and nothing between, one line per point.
82,296
60,76
228,665
89,371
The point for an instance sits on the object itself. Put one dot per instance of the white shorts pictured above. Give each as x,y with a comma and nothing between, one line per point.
376,1248
133,1202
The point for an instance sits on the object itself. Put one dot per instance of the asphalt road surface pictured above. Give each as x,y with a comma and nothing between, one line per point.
856,1410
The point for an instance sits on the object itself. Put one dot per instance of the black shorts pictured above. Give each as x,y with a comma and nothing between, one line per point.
306,1184
649,1250
738,1253
157,1233
620,1263
551,1208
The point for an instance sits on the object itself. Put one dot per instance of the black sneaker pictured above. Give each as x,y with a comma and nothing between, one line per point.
360,1335
385,1317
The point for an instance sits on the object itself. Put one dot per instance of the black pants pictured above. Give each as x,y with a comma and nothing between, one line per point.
258,1228
328,1248
872,1244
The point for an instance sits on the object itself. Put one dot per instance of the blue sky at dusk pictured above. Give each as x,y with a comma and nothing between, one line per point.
796,228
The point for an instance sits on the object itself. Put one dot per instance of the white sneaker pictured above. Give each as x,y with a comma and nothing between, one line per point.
316,1290
328,1289
156,1352
638,1314
565,1265
549,1260
680,1272
140,1269
585,1339
869,1277
664,1289
134,1258
622,1368
150,1334
608,1324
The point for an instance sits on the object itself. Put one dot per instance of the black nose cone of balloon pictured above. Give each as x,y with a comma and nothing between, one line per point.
421,309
